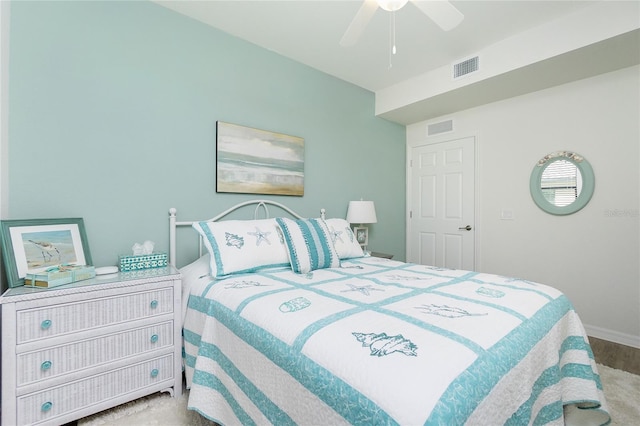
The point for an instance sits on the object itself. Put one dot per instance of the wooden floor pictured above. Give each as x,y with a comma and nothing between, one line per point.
616,356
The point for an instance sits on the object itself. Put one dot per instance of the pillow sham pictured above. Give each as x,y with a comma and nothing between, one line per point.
308,244
191,275
242,245
343,239
195,270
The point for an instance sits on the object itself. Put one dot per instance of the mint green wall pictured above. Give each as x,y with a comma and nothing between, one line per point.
112,115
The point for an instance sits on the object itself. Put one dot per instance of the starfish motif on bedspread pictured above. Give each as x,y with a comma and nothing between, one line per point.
447,311
366,289
381,344
260,236
244,284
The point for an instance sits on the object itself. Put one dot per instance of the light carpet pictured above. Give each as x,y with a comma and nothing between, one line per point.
621,389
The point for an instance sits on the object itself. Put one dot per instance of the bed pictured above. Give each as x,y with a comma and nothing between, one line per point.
286,321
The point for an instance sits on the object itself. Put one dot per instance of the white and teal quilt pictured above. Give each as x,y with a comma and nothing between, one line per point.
379,342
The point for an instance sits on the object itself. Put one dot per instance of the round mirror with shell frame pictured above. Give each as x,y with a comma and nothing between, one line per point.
562,182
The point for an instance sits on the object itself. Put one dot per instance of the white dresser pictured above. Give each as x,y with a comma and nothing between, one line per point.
75,350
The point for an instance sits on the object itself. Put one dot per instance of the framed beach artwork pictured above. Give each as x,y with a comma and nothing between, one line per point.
255,161
35,245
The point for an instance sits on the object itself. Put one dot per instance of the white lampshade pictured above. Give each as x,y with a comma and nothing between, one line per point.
361,212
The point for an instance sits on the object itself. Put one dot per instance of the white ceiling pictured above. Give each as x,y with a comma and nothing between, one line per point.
310,31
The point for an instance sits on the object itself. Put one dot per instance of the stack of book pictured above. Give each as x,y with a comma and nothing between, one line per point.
59,275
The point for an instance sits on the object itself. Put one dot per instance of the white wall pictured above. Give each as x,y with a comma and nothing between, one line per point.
596,38
592,255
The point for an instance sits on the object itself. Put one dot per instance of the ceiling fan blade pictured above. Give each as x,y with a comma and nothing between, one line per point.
441,12
360,21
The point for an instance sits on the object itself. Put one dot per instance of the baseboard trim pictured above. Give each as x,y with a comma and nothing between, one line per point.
613,336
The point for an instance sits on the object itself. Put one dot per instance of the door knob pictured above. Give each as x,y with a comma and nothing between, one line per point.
466,228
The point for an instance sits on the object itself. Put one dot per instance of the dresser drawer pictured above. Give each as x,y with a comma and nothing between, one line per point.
54,361
53,402
49,321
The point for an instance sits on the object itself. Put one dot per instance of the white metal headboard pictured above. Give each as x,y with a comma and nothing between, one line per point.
174,224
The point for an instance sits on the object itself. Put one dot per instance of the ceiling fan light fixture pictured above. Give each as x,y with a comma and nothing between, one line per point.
443,13
392,5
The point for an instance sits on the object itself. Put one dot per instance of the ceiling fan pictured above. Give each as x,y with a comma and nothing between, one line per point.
443,13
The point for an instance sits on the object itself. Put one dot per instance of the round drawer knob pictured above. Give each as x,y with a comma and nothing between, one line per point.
154,338
45,324
45,365
154,372
46,406
154,304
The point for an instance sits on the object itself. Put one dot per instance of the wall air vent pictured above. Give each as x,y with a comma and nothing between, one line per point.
440,127
466,67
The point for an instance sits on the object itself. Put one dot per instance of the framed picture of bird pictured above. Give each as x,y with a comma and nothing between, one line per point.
35,245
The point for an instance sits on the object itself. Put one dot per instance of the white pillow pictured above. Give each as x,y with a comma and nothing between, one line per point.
309,244
191,274
343,239
196,269
242,245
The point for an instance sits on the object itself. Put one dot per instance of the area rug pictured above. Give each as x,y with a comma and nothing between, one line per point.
621,389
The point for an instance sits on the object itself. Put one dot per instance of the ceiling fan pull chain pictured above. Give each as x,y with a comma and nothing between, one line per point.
392,37
393,28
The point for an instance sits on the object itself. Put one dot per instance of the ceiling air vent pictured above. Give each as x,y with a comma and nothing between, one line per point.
441,127
466,67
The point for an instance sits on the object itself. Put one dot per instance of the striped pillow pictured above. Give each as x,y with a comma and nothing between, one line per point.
309,244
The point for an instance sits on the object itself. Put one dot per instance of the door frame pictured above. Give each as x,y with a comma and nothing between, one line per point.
444,138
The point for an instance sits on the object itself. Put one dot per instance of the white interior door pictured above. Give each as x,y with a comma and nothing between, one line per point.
442,205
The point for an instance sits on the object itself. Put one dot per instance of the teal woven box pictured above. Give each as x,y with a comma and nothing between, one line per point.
143,261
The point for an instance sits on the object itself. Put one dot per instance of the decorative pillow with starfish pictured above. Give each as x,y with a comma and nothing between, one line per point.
242,245
343,239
